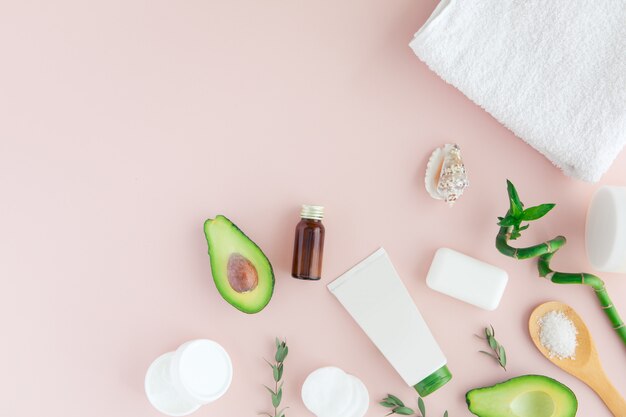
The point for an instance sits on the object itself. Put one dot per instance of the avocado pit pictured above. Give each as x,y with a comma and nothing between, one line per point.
242,275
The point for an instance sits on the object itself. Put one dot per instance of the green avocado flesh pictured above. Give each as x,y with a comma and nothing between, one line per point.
524,396
242,273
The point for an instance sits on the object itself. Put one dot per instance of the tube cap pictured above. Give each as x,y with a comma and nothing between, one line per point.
433,381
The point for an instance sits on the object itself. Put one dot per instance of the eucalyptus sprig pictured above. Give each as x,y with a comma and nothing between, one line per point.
277,370
511,228
397,407
499,353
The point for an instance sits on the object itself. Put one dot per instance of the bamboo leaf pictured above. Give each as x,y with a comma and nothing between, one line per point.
516,211
508,221
516,203
536,212
387,404
421,406
405,411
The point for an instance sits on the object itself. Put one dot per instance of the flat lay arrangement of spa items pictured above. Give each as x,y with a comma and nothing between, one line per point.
329,208
376,297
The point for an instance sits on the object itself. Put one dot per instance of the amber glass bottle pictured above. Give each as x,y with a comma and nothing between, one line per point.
308,247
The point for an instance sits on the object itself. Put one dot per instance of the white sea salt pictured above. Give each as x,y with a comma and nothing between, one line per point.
558,334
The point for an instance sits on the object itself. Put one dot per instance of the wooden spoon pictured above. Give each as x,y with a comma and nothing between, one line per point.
586,365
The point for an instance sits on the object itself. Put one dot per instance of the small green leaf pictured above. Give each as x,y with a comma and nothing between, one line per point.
488,354
276,373
488,332
387,404
445,414
275,400
277,343
502,355
281,353
493,344
509,221
537,212
514,197
421,406
516,211
395,400
405,411
269,389
280,372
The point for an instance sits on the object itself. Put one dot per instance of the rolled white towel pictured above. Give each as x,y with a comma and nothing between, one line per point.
553,72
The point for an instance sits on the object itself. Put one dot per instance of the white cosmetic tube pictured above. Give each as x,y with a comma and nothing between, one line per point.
376,298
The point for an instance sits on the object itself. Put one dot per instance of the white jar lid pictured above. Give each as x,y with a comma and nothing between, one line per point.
605,236
161,392
202,369
197,373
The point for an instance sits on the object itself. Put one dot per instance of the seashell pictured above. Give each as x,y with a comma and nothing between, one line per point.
446,178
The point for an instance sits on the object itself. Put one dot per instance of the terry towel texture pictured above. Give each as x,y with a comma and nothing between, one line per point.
552,71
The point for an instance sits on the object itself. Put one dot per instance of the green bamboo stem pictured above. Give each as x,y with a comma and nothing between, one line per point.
545,251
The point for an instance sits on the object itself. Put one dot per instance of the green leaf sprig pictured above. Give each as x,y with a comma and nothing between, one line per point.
499,354
277,370
517,214
397,407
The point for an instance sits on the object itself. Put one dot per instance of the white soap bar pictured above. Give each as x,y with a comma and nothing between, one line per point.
467,279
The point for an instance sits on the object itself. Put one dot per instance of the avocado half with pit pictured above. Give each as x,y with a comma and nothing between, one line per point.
242,273
523,396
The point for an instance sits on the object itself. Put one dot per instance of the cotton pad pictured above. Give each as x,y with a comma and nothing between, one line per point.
467,279
360,400
328,392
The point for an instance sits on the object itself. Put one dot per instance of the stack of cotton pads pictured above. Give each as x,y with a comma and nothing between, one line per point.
330,392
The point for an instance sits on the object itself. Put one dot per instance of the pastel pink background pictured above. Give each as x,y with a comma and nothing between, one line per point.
124,124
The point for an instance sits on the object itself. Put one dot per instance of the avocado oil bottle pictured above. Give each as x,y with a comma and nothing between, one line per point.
308,247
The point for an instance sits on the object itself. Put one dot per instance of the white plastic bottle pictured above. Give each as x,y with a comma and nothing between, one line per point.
376,298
